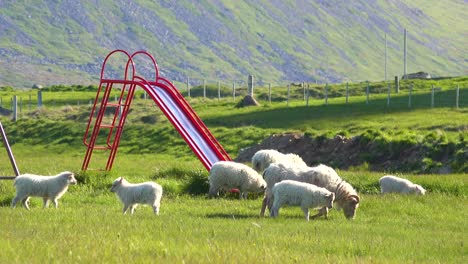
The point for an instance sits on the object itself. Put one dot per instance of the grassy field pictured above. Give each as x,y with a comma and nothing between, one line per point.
89,225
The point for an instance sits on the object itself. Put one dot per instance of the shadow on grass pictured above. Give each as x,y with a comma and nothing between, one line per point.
231,216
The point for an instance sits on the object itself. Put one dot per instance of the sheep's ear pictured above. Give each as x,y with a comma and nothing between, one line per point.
121,179
355,197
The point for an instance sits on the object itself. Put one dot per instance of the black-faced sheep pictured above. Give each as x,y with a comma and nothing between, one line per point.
48,187
301,194
227,175
141,193
390,183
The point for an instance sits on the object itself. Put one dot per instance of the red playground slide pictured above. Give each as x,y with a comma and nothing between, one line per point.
164,94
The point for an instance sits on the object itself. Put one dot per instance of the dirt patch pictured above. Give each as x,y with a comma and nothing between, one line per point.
344,153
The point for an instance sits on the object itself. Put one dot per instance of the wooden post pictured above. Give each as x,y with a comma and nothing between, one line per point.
367,93
289,88
303,90
457,96
347,92
326,93
388,94
188,87
410,93
397,85
15,108
308,95
219,90
269,93
204,89
39,99
250,85
234,91
432,96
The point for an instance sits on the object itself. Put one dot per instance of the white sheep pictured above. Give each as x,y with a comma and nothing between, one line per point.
226,175
47,187
141,193
390,183
301,194
322,176
263,158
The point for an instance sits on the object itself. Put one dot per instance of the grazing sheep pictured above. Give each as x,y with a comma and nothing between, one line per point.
226,175
263,158
141,193
302,194
390,183
47,187
346,197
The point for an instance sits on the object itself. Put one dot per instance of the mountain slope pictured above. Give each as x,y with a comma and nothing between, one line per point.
64,42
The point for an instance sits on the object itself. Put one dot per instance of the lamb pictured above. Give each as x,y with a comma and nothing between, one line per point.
346,197
141,193
48,187
263,158
226,175
303,194
390,183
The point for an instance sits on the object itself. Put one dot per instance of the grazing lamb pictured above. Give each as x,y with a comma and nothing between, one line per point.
263,158
302,194
390,183
47,187
346,197
141,193
226,175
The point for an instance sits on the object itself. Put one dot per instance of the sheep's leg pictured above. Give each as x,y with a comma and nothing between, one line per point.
306,212
125,208
45,202
264,204
156,209
25,202
15,201
55,202
322,211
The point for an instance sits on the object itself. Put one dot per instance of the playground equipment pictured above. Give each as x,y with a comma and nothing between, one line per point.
10,155
166,96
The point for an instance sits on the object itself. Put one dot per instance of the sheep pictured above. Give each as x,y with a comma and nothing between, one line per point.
346,197
390,183
226,175
263,158
47,187
303,194
141,193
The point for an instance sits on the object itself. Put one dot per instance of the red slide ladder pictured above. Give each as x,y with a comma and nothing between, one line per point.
103,132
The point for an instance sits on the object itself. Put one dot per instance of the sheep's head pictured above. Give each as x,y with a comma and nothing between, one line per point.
69,176
116,184
350,206
330,199
418,189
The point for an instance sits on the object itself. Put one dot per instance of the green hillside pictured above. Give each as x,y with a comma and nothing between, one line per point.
65,42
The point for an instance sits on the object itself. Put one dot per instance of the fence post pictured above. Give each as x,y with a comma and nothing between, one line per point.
269,93
457,96
219,90
432,96
347,92
250,85
39,99
410,93
326,93
367,93
29,106
397,85
289,88
308,95
15,107
234,91
188,86
21,105
304,90
204,89
388,95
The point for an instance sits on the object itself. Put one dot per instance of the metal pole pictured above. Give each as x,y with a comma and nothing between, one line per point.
10,153
404,55
388,95
219,90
